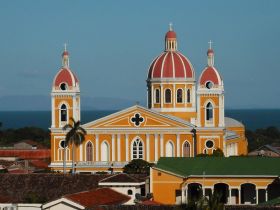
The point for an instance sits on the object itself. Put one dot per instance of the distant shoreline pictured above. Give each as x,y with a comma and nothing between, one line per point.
251,118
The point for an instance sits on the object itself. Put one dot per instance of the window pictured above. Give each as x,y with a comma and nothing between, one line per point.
129,192
137,149
209,144
209,84
104,151
209,112
63,86
167,96
188,96
186,149
89,152
157,96
169,149
179,96
63,113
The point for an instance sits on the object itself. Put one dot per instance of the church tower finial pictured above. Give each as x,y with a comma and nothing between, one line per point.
170,39
210,54
65,57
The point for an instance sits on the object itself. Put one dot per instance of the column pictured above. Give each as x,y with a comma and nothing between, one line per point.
229,196
53,112
148,147
161,96
193,96
119,147
198,120
266,195
174,93
183,198
178,144
239,196
126,147
152,95
186,195
257,195
156,147
185,95
97,147
113,147
81,152
161,145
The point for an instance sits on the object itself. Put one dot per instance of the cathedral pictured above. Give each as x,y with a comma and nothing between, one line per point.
184,117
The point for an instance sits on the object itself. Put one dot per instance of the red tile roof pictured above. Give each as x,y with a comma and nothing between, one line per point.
26,154
100,196
31,142
121,178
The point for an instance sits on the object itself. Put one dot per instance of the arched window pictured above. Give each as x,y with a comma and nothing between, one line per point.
105,151
89,151
167,96
209,112
137,149
186,149
169,149
129,192
188,96
179,96
63,113
157,96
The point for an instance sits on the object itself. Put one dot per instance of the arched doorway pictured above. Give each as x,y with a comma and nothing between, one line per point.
248,193
186,149
104,151
222,192
194,192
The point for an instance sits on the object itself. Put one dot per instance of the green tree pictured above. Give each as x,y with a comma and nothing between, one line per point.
75,136
218,153
137,166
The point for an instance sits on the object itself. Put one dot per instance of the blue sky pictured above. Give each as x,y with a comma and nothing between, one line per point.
112,44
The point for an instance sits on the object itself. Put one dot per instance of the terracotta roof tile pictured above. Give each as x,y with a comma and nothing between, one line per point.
100,196
124,178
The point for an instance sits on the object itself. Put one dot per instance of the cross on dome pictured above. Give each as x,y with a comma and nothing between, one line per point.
210,44
65,47
170,26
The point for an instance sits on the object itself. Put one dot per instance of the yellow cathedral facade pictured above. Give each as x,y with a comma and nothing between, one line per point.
184,117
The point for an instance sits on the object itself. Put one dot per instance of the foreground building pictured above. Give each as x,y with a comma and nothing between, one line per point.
240,180
183,117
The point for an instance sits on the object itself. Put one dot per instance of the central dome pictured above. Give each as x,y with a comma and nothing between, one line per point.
171,64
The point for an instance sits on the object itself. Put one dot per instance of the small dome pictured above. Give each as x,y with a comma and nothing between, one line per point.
171,64
67,77
210,74
170,35
65,53
210,51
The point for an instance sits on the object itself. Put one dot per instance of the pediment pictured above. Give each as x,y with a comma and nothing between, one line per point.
138,117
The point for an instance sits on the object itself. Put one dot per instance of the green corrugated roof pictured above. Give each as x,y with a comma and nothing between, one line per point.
237,166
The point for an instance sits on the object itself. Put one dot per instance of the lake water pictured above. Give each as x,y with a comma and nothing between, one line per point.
252,118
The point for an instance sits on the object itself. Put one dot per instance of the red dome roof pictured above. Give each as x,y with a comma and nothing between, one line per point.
65,53
65,75
171,64
210,51
210,74
170,35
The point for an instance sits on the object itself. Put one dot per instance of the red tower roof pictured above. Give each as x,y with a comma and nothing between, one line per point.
210,74
65,75
170,35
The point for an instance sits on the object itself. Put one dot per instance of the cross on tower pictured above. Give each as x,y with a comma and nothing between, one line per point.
170,27
137,119
210,44
65,47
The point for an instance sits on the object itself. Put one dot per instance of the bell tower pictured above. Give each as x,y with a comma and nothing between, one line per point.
65,95
210,95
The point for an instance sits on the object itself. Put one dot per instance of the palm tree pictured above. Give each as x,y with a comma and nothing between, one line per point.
75,136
